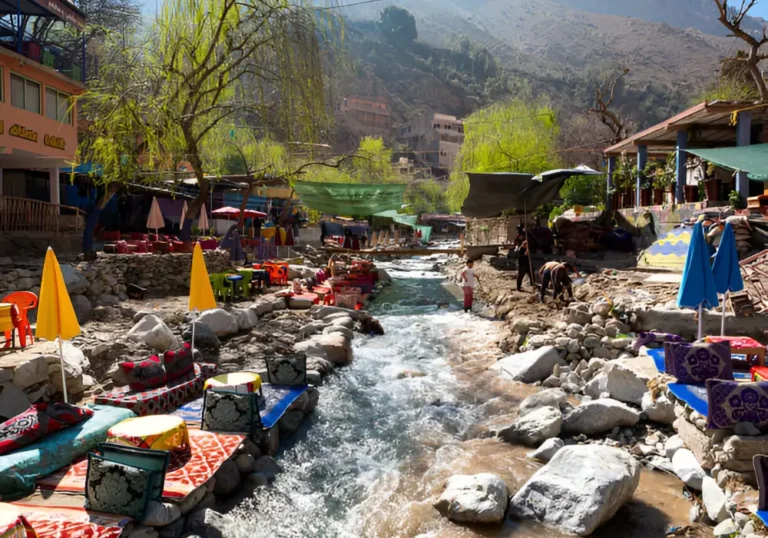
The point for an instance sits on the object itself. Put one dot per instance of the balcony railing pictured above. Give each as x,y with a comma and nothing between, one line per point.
66,61
27,215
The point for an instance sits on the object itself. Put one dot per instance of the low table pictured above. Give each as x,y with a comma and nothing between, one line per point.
156,432
240,382
754,350
9,321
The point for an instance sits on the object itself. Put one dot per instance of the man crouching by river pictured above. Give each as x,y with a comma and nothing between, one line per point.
468,279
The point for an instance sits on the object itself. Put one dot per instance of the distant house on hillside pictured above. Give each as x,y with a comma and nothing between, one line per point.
435,137
364,116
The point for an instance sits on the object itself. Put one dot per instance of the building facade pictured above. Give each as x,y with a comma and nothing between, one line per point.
435,138
365,116
39,82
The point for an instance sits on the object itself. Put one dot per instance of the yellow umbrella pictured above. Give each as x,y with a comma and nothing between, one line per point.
55,315
200,291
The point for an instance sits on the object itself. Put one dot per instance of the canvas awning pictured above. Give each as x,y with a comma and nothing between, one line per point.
750,159
349,198
405,220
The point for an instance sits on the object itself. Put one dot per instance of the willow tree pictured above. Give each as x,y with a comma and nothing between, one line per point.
513,136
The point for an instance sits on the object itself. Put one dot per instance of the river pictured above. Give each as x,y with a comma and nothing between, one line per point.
407,414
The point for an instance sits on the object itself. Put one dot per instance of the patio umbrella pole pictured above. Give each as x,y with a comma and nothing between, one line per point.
701,320
722,321
63,376
194,322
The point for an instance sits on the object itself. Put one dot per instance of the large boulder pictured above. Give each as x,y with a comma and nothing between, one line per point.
82,307
31,372
222,322
322,311
627,379
261,308
544,398
480,498
581,488
530,366
153,331
334,347
547,450
246,319
688,469
599,416
204,336
660,410
714,500
74,280
535,427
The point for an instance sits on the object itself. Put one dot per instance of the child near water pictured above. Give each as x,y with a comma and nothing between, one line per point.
468,279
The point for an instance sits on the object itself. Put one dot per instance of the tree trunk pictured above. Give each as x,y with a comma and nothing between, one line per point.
93,219
193,210
757,75
243,207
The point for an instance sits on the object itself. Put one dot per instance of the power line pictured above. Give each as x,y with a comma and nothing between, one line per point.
347,5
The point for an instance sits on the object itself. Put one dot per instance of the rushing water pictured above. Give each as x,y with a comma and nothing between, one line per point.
390,428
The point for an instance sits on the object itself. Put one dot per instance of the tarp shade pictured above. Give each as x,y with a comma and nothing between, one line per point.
750,159
426,233
490,194
405,220
350,199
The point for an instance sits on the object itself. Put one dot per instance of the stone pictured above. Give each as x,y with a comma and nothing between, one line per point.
323,312
153,331
540,340
661,410
31,372
621,343
744,447
255,480
314,377
246,319
522,325
138,316
222,322
531,366
261,308
290,422
105,313
190,502
204,522
480,498
534,428
245,463
204,336
346,322
552,382
267,466
574,315
714,499
347,333
627,379
672,445
602,352
547,450
311,328
726,528
142,531
599,416
747,429
13,401
601,309
74,280
573,346
591,342
337,348
582,487
543,398
227,478
160,514
82,307
109,300
697,441
688,469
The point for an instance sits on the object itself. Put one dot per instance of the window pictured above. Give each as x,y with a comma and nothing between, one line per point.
57,106
25,94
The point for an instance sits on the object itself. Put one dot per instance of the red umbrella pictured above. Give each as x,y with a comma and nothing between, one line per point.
233,213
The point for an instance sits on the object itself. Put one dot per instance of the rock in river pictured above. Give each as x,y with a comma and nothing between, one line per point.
480,498
535,427
530,366
599,416
544,398
581,488
547,450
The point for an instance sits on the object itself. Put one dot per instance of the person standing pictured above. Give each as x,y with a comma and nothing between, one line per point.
468,280
523,265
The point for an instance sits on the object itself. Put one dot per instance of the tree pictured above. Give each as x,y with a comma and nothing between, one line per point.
732,19
397,25
735,82
605,93
519,135
425,197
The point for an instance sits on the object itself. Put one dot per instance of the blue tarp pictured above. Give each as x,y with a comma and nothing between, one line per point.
21,468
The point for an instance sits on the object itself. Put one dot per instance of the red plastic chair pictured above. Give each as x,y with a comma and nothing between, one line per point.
24,301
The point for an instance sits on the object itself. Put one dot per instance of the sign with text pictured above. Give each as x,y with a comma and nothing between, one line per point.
54,142
22,132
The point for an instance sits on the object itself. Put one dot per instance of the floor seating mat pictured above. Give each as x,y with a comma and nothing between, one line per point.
20,469
693,395
187,471
763,516
276,401
658,359
68,522
160,400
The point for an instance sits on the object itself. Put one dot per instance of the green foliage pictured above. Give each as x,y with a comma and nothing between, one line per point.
519,135
371,163
736,201
583,190
397,25
426,197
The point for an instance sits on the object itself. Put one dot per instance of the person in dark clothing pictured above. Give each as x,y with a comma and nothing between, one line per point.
323,232
347,239
523,265
561,280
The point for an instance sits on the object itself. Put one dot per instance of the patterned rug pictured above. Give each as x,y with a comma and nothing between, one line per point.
67,522
187,471
276,401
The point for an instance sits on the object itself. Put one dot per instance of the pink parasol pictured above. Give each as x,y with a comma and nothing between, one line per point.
155,220
233,213
203,222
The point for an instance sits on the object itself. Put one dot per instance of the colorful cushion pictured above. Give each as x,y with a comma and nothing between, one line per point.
286,370
144,375
697,362
115,488
37,422
731,402
231,412
179,363
644,339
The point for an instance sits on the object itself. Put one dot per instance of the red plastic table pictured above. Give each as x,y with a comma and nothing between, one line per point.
743,344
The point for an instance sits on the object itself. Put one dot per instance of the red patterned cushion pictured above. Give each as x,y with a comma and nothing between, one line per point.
179,363
144,375
37,422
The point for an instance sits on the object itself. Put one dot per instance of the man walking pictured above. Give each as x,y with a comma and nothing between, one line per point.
523,265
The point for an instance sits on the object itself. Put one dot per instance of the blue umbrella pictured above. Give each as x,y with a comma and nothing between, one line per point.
697,289
726,269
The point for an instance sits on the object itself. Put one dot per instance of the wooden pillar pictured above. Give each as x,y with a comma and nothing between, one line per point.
743,138
53,185
609,182
682,145
642,160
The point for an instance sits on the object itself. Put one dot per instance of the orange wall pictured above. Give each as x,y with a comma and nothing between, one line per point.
45,128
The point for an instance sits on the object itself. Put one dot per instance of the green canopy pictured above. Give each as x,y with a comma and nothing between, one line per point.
349,199
750,159
405,220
